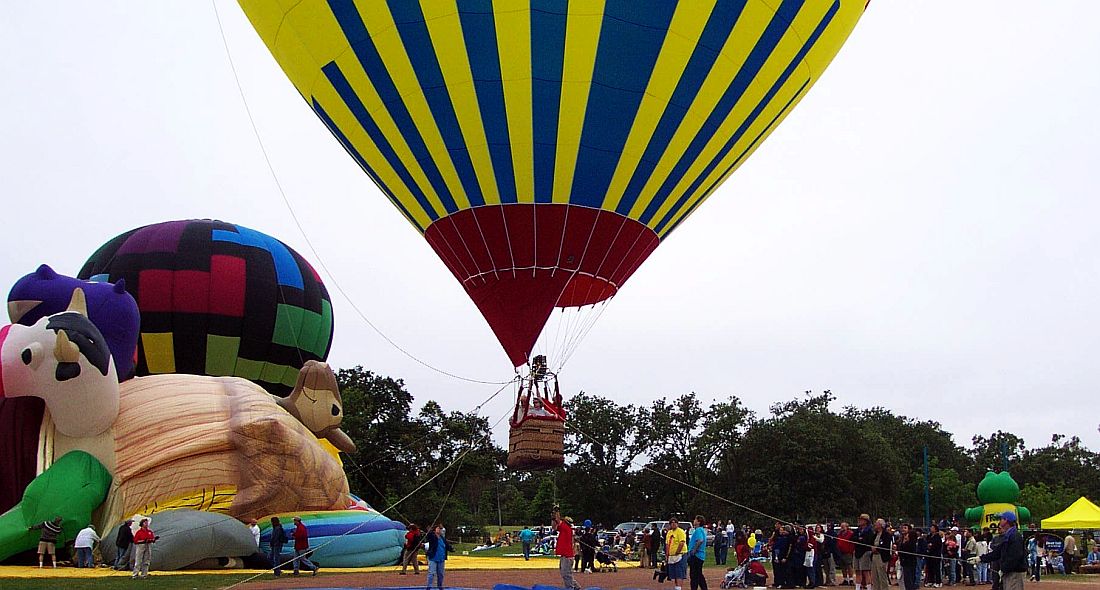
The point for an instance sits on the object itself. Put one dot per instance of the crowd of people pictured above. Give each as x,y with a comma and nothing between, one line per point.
872,555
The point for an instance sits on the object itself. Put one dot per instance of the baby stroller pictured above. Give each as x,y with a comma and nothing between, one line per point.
735,577
606,561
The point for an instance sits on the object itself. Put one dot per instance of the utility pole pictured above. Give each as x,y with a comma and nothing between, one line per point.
927,485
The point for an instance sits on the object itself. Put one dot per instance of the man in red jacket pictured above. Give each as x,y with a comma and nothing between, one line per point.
301,547
563,548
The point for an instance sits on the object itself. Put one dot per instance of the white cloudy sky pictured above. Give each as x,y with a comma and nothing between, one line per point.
921,233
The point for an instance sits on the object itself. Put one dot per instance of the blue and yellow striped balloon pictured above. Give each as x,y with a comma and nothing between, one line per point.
545,147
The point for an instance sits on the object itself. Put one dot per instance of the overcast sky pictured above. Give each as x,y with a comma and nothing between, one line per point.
920,234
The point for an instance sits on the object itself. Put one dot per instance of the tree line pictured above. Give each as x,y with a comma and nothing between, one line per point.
805,459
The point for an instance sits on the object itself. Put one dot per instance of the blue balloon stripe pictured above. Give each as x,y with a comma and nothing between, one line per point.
765,45
547,61
354,153
616,92
422,55
736,162
479,34
359,111
718,28
755,114
351,23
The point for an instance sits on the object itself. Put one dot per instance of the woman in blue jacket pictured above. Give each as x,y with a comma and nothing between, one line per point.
437,555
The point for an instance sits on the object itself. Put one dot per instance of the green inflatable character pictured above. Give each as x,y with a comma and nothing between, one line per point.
998,493
71,488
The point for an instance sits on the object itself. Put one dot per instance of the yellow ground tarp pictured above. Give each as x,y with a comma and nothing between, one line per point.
454,563
1082,514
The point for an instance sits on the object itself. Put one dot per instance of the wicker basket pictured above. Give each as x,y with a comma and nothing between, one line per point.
536,444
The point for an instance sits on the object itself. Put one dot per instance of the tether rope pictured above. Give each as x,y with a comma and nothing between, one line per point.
301,228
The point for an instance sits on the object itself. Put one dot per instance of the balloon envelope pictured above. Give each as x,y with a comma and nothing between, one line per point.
219,299
545,149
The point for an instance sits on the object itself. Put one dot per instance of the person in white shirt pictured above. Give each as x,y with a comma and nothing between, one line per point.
254,528
85,540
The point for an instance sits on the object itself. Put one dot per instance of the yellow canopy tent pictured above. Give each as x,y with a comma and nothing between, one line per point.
1082,514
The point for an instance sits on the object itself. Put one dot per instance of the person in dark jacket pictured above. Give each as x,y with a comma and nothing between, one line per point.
934,561
588,550
880,559
781,556
864,541
1010,553
278,539
907,558
47,540
656,541
437,555
124,545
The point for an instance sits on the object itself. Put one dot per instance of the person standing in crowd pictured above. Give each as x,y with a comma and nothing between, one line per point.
994,565
829,559
1009,553
731,535
437,555
721,549
143,549
880,556
816,535
656,541
47,540
781,557
845,551
907,558
85,540
588,548
982,568
1034,562
301,548
124,543
411,549
254,528
676,551
697,554
643,548
934,560
563,548
969,549
864,542
278,539
1069,554
526,537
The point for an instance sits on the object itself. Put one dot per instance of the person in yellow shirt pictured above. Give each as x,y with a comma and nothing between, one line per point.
676,549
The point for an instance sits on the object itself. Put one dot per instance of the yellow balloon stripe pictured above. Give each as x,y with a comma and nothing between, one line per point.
445,29
404,85
513,23
582,35
683,35
391,48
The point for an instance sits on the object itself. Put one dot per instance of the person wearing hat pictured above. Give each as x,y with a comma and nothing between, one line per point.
864,543
1010,554
301,548
588,543
85,540
124,544
563,548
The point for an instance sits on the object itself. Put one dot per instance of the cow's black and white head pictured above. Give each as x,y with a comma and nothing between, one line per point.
64,360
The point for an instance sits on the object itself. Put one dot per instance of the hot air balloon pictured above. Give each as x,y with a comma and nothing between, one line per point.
544,149
219,299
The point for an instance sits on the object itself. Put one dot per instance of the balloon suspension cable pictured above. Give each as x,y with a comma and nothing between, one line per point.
305,236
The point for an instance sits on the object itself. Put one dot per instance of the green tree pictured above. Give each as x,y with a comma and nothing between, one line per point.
1045,501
